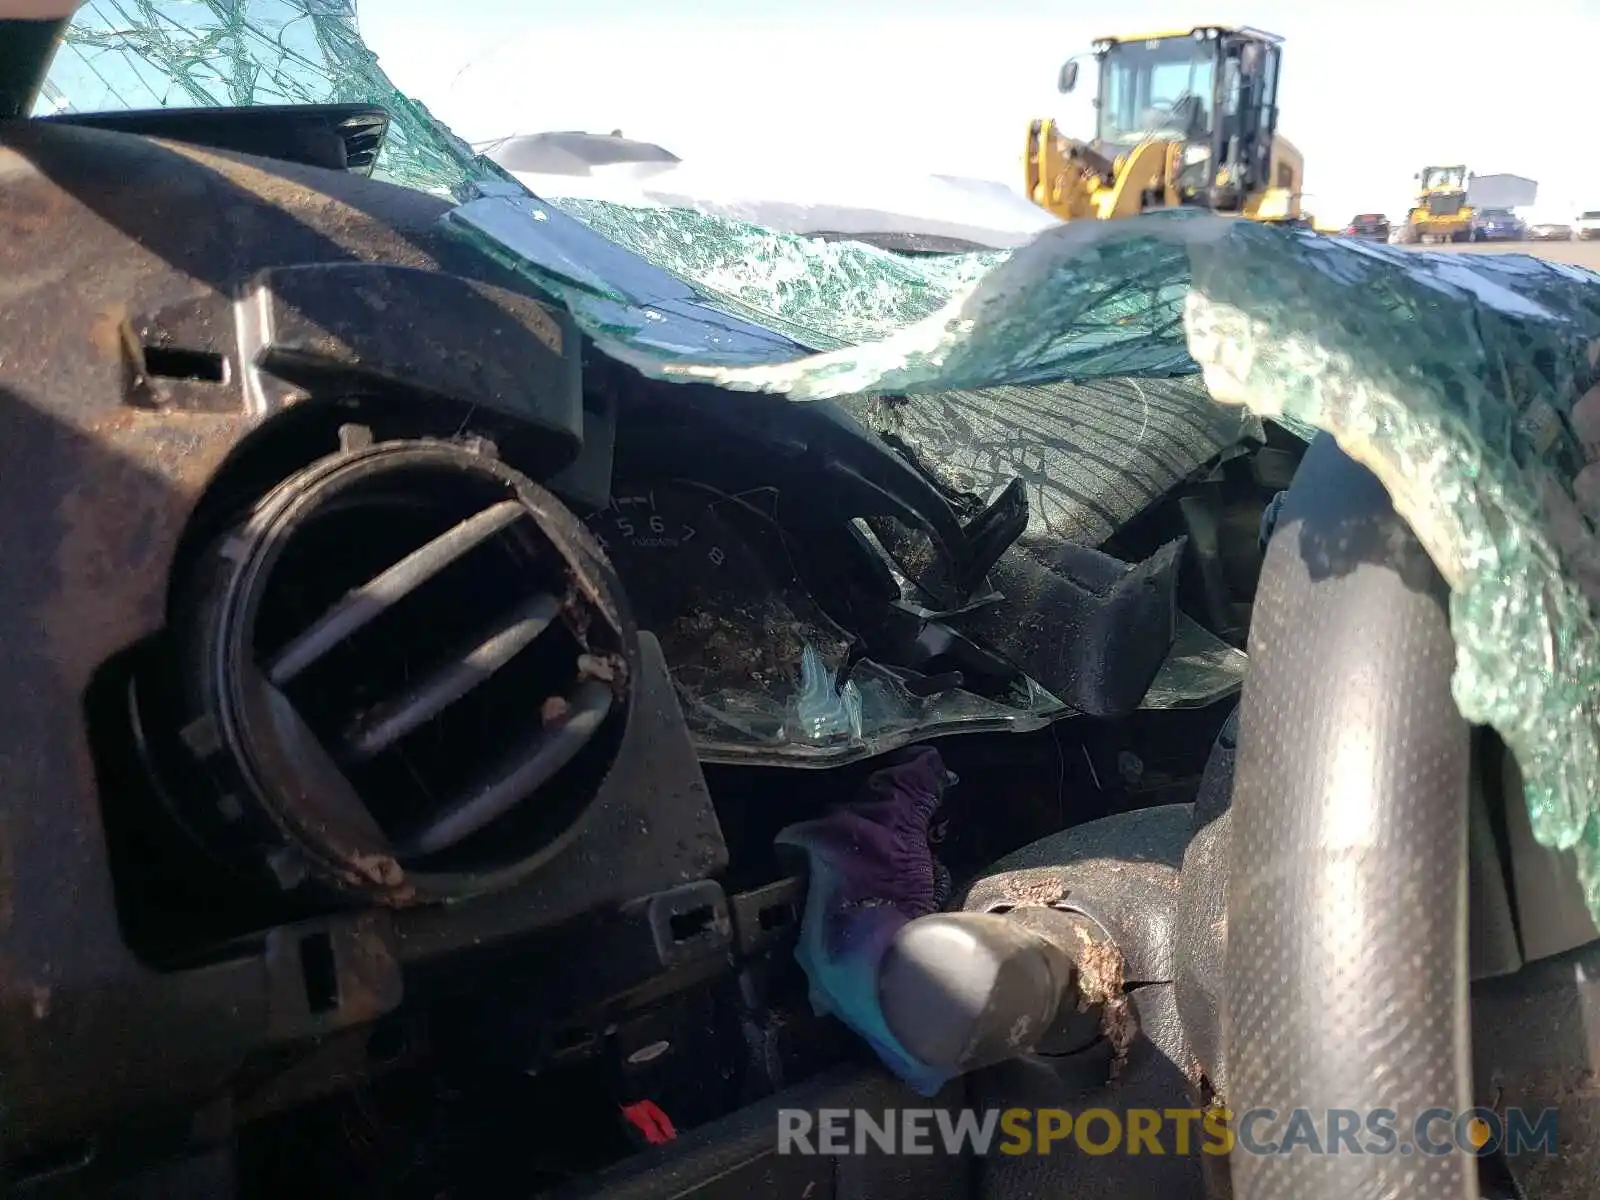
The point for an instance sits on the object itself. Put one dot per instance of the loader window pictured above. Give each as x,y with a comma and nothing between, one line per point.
1269,90
1156,88
1269,79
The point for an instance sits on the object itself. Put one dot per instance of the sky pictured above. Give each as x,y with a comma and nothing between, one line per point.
1371,92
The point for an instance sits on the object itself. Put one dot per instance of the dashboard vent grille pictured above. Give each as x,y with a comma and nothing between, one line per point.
410,668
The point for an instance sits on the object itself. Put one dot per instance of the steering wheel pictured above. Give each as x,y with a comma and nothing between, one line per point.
1346,957
1158,111
1182,113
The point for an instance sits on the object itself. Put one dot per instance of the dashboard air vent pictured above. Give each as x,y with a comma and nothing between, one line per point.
408,668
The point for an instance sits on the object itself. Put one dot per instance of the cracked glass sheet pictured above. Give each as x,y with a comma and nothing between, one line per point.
131,54
827,721
1094,454
685,296
1452,378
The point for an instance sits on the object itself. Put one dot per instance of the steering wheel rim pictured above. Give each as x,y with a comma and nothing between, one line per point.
1347,894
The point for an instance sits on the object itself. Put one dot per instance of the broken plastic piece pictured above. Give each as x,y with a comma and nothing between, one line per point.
824,712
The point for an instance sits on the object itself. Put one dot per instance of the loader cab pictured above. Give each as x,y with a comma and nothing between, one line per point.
1445,180
1213,89
1443,190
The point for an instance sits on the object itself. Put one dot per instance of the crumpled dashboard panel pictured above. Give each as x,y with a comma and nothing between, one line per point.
823,598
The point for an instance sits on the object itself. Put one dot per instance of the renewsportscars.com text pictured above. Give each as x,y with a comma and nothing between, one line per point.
1176,1131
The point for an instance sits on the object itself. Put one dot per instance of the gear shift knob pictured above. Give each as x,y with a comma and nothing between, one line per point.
966,990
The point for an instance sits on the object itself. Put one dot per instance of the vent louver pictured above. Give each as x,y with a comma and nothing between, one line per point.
409,668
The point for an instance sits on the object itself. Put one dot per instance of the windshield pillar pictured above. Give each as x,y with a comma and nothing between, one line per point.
26,49
1103,97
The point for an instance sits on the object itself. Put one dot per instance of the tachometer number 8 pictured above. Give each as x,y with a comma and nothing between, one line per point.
716,556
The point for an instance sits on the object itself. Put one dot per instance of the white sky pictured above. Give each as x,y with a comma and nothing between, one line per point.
1371,91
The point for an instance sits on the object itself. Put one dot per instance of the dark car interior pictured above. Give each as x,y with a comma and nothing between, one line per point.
397,729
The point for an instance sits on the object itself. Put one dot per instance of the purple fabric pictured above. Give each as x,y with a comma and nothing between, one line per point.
881,839
872,869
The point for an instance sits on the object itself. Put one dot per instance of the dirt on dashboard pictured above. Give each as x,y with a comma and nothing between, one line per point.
744,643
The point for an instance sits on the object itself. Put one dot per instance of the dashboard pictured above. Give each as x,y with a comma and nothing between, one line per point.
365,637
821,596
365,630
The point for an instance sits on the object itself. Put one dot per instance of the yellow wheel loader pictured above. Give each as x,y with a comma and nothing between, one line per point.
1441,212
1185,119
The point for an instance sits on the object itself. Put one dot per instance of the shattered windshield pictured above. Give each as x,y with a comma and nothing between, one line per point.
120,55
1452,378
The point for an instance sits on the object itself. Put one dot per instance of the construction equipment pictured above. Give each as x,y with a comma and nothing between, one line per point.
1441,212
1186,119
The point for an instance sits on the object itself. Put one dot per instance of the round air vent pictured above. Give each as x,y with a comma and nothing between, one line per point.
408,668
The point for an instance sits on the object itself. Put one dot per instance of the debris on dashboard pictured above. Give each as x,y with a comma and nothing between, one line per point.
1101,978
1451,377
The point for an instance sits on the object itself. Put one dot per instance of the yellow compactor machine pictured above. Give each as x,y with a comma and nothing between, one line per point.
1184,119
